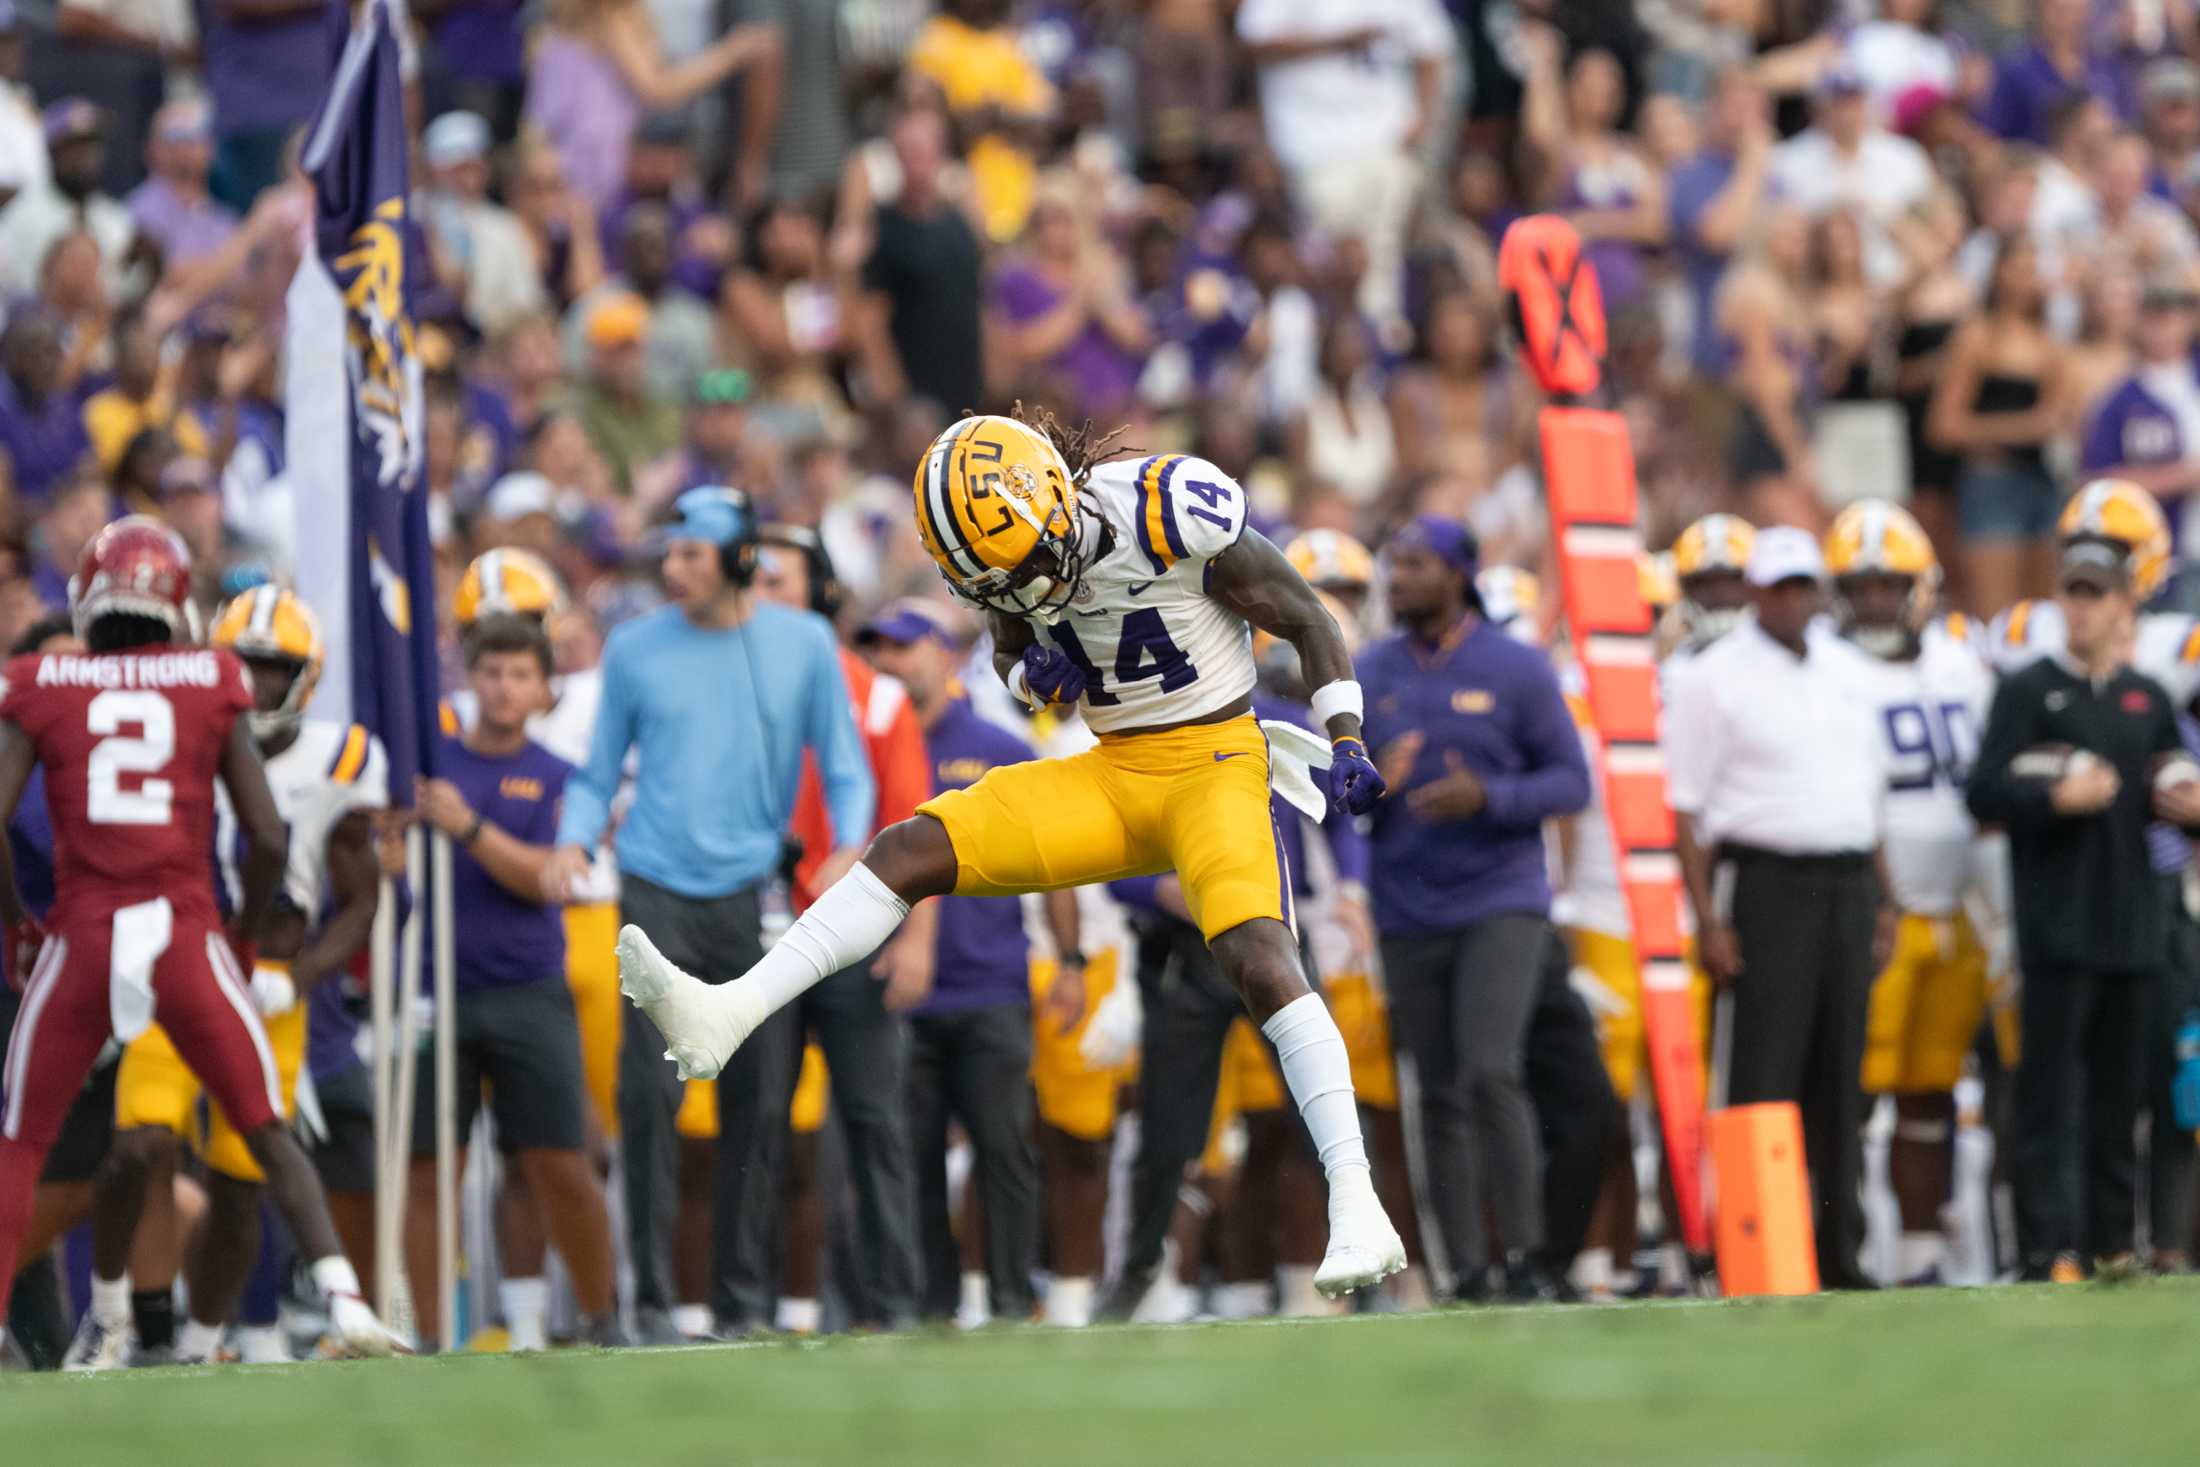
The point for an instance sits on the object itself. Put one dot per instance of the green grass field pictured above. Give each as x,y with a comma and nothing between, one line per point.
2076,1375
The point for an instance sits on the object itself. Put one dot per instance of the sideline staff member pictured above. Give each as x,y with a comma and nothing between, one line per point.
1777,780
2089,921
718,695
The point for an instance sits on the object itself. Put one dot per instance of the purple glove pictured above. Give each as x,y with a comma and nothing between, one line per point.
1051,676
1354,784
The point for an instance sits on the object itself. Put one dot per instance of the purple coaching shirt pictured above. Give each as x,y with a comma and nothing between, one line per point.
982,955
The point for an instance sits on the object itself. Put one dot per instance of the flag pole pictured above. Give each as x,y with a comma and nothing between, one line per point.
408,1045
381,983
446,1084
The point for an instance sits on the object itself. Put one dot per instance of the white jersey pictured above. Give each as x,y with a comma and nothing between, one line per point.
1588,894
329,770
1932,709
566,729
2165,645
1155,648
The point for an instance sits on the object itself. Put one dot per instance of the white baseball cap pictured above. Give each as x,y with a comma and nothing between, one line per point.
455,137
1784,553
520,493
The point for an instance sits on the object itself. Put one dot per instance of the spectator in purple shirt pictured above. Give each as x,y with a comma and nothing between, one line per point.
1069,309
80,510
172,207
267,66
1472,733
970,1042
475,60
42,435
2032,81
1716,195
2147,430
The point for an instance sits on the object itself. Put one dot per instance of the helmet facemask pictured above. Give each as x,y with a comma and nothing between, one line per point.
1047,577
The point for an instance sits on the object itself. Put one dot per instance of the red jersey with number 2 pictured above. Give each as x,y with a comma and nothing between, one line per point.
132,743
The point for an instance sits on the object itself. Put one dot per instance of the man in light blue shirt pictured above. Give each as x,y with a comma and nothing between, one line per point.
717,696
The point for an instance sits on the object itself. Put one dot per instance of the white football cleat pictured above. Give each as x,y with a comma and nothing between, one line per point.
361,1329
98,1345
703,1024
1364,1249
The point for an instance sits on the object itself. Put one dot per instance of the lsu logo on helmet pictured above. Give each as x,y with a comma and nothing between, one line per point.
272,624
997,512
2119,511
501,581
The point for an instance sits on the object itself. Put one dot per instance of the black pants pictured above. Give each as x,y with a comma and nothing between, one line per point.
975,1066
2079,1082
716,939
1804,925
2170,1156
1459,1005
1189,1009
1577,1114
866,1054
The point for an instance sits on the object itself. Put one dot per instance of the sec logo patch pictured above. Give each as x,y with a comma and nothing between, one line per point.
1473,700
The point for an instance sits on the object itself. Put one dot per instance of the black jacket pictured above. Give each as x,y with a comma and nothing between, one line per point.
2084,891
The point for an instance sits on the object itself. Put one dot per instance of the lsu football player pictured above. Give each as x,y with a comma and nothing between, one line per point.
1339,566
1926,1005
1131,589
1708,561
328,779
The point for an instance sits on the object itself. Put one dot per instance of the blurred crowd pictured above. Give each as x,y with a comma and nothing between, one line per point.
1943,252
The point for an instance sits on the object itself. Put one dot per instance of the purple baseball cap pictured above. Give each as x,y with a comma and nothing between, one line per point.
908,621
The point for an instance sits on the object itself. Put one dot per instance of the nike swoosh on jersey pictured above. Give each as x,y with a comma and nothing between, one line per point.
1141,586
1235,754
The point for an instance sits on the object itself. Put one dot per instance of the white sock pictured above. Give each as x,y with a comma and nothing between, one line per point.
1069,1303
196,1341
1592,1271
1918,1252
111,1300
335,1275
799,1316
262,1344
976,1305
1246,1299
693,1320
855,915
526,1312
1319,1073
1296,1296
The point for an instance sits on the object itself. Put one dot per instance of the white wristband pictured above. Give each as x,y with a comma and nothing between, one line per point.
1331,699
1019,688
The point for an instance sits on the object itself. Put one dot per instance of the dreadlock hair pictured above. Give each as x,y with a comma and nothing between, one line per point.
1082,447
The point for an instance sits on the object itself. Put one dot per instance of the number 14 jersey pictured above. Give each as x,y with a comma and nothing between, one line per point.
131,743
1154,646
1932,709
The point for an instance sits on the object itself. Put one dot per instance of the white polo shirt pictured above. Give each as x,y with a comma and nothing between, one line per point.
1776,751
1340,105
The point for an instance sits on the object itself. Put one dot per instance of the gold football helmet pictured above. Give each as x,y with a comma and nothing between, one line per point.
1708,561
2122,513
272,624
508,581
1331,560
997,512
1874,537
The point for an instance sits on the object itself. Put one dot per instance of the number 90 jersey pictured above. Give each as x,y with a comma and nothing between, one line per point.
131,743
1932,710
1155,648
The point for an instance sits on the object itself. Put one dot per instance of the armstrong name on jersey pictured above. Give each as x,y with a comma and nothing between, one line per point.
159,670
1154,646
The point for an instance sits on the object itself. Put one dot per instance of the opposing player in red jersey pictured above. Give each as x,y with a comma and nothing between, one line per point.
132,734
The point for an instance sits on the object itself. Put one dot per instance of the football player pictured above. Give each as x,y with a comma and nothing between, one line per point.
133,736
1338,566
1927,1004
1707,563
1130,588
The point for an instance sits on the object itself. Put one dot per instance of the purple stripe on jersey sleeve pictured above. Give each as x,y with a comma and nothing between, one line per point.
1168,509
